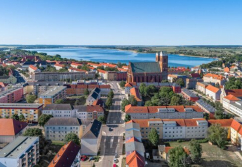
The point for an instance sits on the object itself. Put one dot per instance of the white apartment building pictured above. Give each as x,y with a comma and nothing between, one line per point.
23,151
59,110
213,92
233,104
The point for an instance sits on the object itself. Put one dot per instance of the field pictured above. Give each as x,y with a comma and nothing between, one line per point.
213,156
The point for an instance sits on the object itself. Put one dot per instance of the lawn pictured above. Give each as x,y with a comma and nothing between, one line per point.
213,156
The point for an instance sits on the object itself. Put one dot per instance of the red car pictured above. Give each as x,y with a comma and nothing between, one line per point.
114,165
84,158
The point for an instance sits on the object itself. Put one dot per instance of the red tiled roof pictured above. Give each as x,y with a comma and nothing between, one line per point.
133,139
214,76
235,125
11,127
135,93
212,88
135,160
33,67
91,108
98,102
222,122
192,122
235,92
231,98
130,84
66,155
101,71
59,65
76,69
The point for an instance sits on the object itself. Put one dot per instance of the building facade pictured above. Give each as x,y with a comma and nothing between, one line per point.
11,95
149,71
187,94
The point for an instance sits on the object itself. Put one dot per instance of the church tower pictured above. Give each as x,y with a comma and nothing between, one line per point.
162,59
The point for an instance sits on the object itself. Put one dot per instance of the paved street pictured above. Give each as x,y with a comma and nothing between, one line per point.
112,140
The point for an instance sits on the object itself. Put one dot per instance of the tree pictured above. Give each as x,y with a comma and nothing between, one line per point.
217,135
30,98
178,157
180,82
148,103
59,101
101,119
86,92
21,117
122,84
72,137
111,94
153,137
175,101
206,116
33,132
124,103
132,101
15,116
127,118
43,119
108,102
195,151
142,89
219,114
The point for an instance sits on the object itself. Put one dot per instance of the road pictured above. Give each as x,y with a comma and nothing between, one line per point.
20,79
112,140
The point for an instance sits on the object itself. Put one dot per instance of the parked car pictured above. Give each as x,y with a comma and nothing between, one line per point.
115,160
114,165
84,158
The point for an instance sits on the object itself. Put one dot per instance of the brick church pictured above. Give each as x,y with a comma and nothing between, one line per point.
149,71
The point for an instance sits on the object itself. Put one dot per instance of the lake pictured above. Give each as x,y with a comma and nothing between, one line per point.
114,56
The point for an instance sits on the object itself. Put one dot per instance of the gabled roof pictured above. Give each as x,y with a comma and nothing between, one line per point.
141,67
235,125
135,160
58,107
92,131
133,139
65,156
63,121
11,127
235,92
33,67
231,98
212,88
214,76
222,122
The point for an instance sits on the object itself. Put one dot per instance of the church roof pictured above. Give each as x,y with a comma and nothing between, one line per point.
149,67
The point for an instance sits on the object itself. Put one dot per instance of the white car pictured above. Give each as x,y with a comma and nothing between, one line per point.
115,160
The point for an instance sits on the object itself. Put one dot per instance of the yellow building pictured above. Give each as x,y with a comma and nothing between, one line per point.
31,112
53,94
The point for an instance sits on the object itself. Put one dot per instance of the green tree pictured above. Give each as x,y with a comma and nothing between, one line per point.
217,135
178,157
86,92
153,137
111,94
30,98
142,89
175,101
195,151
206,116
148,103
15,116
133,101
21,117
33,132
72,137
102,119
124,103
108,102
59,101
180,82
127,118
122,84
43,119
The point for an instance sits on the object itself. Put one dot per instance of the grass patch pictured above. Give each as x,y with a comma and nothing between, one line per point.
58,143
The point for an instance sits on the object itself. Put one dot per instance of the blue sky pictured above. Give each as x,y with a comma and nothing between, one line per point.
121,22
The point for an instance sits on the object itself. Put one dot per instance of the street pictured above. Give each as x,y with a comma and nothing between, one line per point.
112,140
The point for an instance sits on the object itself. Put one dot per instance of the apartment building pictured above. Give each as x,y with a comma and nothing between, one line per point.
164,112
103,74
192,82
214,78
201,86
13,130
206,108
57,128
79,89
89,112
59,110
75,65
91,139
31,111
23,151
60,76
68,155
53,94
170,129
187,94
233,104
213,92
11,95
59,66
93,96
8,79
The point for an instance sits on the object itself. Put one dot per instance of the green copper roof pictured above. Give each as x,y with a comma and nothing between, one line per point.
149,67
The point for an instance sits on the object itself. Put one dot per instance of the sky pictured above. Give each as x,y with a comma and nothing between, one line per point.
121,22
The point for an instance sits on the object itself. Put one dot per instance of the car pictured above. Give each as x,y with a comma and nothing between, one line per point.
115,160
84,158
110,129
114,165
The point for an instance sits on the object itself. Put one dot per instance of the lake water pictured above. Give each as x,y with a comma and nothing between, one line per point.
114,56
